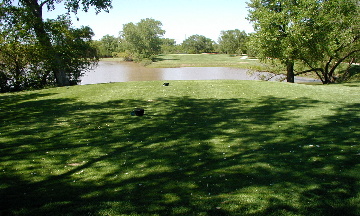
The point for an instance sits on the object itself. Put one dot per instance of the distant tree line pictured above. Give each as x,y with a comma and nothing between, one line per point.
143,40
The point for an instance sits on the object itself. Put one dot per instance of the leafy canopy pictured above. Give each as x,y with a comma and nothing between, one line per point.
233,41
71,5
47,51
143,39
198,44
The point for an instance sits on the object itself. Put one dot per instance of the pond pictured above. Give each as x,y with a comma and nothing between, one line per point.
107,72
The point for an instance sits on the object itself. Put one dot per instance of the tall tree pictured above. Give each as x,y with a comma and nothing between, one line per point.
143,39
74,47
168,46
108,46
198,44
271,20
233,41
32,14
14,58
18,52
320,34
23,62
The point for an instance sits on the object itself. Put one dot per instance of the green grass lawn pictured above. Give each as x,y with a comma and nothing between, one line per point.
201,60
203,148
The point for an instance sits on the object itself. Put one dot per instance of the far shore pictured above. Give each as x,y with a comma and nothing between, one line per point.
214,60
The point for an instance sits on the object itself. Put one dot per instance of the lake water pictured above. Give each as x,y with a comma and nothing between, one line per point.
107,72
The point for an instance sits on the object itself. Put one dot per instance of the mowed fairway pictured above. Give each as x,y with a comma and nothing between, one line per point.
202,148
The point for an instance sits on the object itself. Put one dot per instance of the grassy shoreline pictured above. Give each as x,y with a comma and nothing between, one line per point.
203,148
201,60
222,60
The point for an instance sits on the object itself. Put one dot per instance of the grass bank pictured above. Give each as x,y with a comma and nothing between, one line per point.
201,60
203,148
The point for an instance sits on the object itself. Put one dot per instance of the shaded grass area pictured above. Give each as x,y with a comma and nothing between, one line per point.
203,148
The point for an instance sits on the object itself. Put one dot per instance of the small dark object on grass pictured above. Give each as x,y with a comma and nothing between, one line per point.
166,84
137,112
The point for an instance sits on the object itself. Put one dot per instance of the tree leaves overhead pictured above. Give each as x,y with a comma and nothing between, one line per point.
99,5
72,5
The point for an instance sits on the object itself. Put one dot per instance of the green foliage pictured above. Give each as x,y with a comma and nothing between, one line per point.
321,34
25,63
169,46
74,46
143,39
202,148
20,56
108,46
125,56
198,44
350,74
71,5
233,42
14,59
53,38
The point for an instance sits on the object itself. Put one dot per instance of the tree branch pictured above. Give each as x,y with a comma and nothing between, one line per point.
348,69
311,70
320,77
44,2
345,45
341,60
328,65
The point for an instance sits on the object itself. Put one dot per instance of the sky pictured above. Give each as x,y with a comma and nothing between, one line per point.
180,18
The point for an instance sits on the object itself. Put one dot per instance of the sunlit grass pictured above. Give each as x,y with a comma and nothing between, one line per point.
202,148
202,60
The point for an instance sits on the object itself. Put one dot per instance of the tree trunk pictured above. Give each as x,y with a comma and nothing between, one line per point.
50,54
290,76
326,76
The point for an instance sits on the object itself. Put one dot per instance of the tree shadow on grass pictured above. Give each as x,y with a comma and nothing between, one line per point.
186,156
159,58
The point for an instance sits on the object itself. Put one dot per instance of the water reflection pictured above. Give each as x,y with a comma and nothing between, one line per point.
107,72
